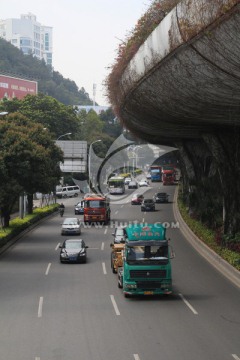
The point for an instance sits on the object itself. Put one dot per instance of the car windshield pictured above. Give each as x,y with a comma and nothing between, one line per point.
148,201
73,245
70,222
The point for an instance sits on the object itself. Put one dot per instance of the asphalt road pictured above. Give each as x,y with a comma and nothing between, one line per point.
53,311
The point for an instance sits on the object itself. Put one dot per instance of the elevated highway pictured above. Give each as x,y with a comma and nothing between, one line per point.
182,89
185,79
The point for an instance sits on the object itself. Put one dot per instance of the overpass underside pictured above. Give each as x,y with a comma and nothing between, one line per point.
184,81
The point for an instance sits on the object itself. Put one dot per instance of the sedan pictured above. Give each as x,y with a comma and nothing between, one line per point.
73,250
79,208
71,226
148,205
133,185
143,182
161,197
137,199
119,235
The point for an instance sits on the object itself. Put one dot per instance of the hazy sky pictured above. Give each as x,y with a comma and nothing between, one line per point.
86,34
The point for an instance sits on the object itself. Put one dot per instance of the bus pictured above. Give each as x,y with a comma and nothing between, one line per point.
156,172
116,185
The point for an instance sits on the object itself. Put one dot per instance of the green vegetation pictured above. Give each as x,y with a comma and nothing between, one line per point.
210,237
14,63
18,225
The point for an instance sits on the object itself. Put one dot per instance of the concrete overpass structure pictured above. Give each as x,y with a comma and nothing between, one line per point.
182,89
185,78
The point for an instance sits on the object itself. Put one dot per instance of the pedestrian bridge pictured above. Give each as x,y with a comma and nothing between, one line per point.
184,81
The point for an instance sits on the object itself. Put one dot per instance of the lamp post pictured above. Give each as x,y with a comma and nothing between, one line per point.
63,135
89,162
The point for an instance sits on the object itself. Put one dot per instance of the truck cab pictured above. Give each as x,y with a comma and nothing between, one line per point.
147,258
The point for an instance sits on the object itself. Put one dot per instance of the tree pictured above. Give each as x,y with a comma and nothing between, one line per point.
29,161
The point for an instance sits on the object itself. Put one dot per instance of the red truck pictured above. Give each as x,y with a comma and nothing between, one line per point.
96,208
168,176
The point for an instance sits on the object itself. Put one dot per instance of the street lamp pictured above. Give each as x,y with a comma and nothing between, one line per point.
63,135
89,161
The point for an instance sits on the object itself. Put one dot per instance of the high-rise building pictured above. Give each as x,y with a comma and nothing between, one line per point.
29,35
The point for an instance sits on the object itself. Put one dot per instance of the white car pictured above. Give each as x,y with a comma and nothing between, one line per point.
71,226
143,182
127,180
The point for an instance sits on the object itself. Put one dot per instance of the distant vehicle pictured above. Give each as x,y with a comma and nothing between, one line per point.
156,173
148,205
143,182
148,176
116,185
127,180
73,250
71,226
161,197
137,199
79,208
67,191
133,185
168,176
119,235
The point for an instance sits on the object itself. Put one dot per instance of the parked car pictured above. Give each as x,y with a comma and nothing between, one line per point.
148,205
133,185
119,235
161,197
73,250
71,226
143,182
79,208
137,199
127,180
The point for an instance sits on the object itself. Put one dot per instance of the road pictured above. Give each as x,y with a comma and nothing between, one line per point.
53,311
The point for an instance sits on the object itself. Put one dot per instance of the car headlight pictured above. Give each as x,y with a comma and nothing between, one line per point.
64,255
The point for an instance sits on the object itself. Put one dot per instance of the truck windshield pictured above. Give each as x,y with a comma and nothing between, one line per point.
147,255
95,204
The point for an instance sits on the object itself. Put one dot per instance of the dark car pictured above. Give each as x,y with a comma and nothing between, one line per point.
73,250
79,208
119,235
161,197
148,205
133,185
137,199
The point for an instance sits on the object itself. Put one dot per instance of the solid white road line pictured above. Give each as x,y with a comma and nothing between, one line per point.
104,268
136,357
188,304
57,247
102,246
37,358
40,305
114,305
48,268
235,357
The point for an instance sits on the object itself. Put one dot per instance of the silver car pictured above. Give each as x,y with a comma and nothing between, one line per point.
71,226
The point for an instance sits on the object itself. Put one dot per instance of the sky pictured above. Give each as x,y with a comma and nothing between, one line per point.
86,35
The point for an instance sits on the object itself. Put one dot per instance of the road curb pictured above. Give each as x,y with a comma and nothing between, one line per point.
214,259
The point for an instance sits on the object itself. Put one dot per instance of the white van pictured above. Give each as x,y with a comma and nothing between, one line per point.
67,191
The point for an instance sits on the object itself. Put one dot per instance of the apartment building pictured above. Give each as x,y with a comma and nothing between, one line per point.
29,35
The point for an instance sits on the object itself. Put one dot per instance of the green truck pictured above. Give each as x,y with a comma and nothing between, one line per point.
146,262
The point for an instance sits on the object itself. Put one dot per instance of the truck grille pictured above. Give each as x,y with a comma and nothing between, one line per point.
147,274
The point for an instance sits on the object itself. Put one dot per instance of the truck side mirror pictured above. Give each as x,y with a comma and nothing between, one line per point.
111,245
